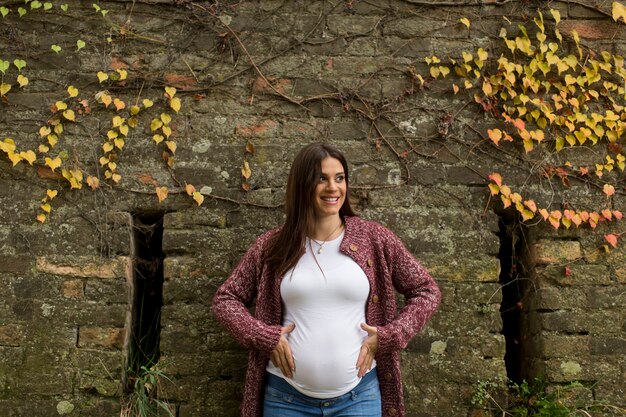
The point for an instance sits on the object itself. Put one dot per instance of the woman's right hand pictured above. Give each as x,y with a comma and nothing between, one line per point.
281,356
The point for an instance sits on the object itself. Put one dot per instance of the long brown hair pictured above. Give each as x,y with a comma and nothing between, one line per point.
287,246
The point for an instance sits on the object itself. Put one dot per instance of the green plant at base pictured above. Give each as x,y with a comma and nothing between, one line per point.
144,400
498,398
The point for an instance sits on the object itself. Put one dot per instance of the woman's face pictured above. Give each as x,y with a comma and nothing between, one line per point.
330,192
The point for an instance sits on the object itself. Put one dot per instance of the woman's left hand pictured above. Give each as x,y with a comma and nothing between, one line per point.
368,350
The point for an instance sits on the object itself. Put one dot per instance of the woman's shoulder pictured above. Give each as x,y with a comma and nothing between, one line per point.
369,228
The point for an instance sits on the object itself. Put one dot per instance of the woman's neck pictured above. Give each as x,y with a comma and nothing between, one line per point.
327,228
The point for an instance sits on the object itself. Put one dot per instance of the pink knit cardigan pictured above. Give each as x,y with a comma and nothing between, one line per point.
387,264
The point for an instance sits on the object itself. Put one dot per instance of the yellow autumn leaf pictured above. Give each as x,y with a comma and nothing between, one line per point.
28,156
52,140
155,124
170,92
103,160
43,148
58,129
112,134
198,198
175,104
618,11
107,147
46,207
44,131
119,143
171,145
117,121
124,130
22,81
487,88
482,54
41,217
69,115
102,76
123,73
134,110
106,99
166,118
14,157
60,105
72,91
4,88
246,172
133,122
465,21
53,164
161,193
8,145
116,178
167,131
444,71
147,103
158,138
556,15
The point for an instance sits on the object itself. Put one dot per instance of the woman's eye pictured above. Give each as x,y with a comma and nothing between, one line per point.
340,178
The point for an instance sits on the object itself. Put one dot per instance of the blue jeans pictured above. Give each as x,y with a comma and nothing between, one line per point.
283,400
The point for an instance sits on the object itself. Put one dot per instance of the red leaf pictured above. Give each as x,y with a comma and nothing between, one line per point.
568,271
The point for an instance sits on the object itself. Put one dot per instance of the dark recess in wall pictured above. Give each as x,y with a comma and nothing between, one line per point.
147,294
514,277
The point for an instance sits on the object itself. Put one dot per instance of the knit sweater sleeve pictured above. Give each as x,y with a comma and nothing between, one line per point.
421,293
235,295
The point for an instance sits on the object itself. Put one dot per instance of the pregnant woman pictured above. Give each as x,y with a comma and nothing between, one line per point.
325,336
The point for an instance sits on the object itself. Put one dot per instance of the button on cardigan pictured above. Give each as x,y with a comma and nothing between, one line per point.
388,266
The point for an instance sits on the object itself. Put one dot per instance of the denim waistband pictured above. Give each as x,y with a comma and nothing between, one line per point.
280,384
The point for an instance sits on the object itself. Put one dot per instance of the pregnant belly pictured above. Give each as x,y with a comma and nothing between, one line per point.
326,363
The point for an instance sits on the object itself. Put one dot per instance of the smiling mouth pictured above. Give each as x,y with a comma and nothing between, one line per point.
330,199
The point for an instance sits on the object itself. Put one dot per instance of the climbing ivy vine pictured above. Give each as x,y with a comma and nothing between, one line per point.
549,99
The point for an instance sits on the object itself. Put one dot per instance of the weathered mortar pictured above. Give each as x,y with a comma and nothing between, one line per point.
64,286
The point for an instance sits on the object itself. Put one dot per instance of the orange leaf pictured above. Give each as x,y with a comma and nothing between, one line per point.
617,214
495,177
544,213
190,189
612,239
161,193
608,189
607,214
531,205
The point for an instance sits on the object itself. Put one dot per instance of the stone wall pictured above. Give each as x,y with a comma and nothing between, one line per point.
333,72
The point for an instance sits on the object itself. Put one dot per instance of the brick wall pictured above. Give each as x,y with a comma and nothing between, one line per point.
65,311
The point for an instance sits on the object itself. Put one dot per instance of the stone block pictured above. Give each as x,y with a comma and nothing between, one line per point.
98,362
102,385
578,274
107,291
467,323
19,264
608,346
590,29
73,289
101,337
598,322
565,346
185,270
552,298
613,297
556,251
474,295
11,335
85,266
463,269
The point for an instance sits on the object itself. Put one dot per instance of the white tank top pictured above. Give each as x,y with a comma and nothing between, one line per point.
327,309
